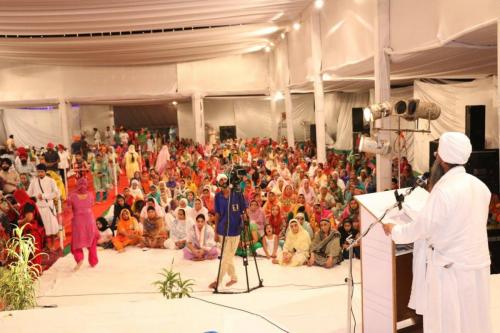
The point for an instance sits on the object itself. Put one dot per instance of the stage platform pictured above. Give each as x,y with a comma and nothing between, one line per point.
118,296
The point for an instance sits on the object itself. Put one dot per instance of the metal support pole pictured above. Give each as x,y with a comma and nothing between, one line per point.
115,176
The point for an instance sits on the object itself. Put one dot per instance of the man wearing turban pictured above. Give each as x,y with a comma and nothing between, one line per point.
451,262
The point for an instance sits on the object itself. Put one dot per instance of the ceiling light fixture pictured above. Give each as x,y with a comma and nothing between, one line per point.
296,26
278,96
319,4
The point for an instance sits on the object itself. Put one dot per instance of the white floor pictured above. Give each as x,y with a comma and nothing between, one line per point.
118,296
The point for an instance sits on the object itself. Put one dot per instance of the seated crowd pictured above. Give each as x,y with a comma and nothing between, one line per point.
301,212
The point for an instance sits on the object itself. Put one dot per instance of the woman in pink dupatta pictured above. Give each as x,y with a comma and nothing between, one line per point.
162,159
84,230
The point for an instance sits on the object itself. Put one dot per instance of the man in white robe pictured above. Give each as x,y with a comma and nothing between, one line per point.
44,189
451,262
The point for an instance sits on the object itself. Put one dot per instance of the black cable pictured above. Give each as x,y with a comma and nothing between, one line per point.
242,310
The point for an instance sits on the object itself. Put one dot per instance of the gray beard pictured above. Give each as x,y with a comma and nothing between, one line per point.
437,172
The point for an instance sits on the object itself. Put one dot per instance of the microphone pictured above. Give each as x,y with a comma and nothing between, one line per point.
400,197
422,180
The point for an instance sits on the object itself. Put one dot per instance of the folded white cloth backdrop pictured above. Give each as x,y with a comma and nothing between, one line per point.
252,116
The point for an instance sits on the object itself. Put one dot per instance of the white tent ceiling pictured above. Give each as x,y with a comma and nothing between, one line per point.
470,55
221,27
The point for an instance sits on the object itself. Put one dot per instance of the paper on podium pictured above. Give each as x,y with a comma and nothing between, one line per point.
377,203
412,206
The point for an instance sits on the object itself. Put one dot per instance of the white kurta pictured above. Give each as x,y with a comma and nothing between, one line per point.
46,205
451,257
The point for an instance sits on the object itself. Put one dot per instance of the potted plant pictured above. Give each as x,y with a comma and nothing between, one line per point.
18,279
172,285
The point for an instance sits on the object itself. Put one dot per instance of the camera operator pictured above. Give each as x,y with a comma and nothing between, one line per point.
230,211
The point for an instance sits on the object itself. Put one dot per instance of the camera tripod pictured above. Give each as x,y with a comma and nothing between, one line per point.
248,246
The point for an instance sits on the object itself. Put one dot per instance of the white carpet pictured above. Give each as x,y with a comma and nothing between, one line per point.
118,296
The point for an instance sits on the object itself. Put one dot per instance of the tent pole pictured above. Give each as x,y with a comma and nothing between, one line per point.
382,87
319,96
199,119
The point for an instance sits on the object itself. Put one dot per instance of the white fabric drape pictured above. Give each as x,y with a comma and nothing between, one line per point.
299,54
252,118
439,21
347,32
147,49
33,127
44,85
95,116
246,72
185,121
452,98
339,117
84,16
251,115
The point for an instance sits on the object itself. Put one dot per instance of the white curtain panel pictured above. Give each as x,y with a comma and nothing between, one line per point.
339,120
95,116
438,21
86,84
247,72
252,118
299,50
219,112
33,127
185,121
347,32
452,98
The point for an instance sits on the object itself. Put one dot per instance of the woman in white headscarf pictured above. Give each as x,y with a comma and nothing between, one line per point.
135,190
308,192
131,159
183,204
296,247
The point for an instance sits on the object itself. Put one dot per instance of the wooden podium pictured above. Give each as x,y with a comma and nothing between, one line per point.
386,272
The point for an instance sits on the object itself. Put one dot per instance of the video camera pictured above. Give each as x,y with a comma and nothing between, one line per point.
236,176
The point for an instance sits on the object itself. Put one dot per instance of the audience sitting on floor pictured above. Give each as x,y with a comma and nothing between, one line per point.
300,211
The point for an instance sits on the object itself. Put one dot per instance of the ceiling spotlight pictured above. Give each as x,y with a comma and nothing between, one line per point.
174,103
319,4
296,26
374,146
278,96
267,48
377,111
400,107
420,109
326,77
283,35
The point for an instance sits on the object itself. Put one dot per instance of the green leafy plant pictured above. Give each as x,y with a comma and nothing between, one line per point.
17,281
172,285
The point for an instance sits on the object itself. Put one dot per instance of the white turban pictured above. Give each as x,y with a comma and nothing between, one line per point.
221,176
454,148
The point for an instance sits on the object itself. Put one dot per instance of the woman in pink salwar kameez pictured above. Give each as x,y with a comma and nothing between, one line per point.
84,230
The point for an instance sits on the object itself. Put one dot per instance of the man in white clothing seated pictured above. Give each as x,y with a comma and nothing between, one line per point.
451,262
